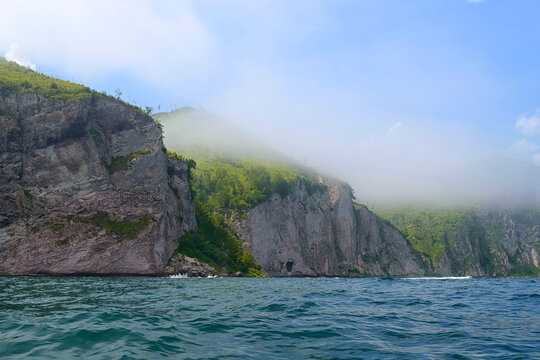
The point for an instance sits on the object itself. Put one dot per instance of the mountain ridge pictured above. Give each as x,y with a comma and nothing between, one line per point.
89,187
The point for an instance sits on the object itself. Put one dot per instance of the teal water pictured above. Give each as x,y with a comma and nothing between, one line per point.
159,318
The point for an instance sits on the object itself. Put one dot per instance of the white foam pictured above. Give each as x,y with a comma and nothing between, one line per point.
441,278
178,276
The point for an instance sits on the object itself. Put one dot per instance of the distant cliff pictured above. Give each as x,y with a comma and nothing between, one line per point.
85,187
473,241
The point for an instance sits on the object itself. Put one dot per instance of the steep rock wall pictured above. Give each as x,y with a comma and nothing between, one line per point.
323,234
495,242
84,189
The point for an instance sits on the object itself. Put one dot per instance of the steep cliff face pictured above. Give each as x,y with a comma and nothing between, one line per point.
494,243
324,233
291,223
476,241
85,188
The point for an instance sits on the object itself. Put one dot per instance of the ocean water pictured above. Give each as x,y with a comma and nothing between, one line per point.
276,318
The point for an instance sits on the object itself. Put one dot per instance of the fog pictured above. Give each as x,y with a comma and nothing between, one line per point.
397,169
431,102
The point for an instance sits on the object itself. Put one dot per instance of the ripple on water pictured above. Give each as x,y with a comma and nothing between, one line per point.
268,318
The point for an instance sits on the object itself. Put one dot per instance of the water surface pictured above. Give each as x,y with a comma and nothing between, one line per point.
235,318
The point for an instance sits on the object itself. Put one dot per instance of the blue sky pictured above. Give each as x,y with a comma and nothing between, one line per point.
420,84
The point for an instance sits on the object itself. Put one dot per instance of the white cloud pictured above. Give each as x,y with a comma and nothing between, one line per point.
88,39
395,128
529,125
523,147
536,159
14,54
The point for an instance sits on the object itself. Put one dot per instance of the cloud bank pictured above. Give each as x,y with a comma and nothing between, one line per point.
399,103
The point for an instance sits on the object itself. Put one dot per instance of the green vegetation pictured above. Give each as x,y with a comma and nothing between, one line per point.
215,244
429,231
7,113
192,164
16,79
525,270
159,125
96,136
357,206
124,229
28,194
433,232
122,163
234,172
224,185
230,174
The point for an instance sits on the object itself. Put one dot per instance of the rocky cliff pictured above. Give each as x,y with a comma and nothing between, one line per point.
490,241
324,234
85,188
493,243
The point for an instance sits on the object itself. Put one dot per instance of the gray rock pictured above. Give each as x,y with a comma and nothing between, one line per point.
322,234
84,189
493,242
181,264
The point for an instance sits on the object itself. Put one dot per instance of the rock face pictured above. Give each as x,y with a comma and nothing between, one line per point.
85,188
181,264
323,234
495,242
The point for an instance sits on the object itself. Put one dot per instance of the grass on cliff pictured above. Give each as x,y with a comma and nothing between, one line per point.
124,229
214,243
121,163
522,270
429,231
192,164
16,79
241,184
433,232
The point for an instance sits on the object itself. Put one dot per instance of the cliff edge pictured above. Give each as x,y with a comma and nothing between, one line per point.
85,187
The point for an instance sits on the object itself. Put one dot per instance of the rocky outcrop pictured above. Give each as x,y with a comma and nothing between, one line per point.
324,234
181,264
85,188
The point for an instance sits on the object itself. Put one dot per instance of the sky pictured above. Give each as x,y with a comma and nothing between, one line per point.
402,98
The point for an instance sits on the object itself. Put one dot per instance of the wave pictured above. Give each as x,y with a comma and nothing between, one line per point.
185,276
441,278
178,276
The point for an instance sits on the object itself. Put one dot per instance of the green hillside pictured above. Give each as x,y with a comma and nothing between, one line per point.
430,231
242,184
215,244
233,172
434,232
16,79
230,174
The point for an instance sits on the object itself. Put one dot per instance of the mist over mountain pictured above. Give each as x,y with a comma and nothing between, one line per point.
376,179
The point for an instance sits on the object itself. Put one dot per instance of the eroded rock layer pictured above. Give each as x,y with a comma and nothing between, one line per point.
85,188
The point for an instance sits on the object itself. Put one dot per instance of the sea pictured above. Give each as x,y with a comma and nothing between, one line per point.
268,318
